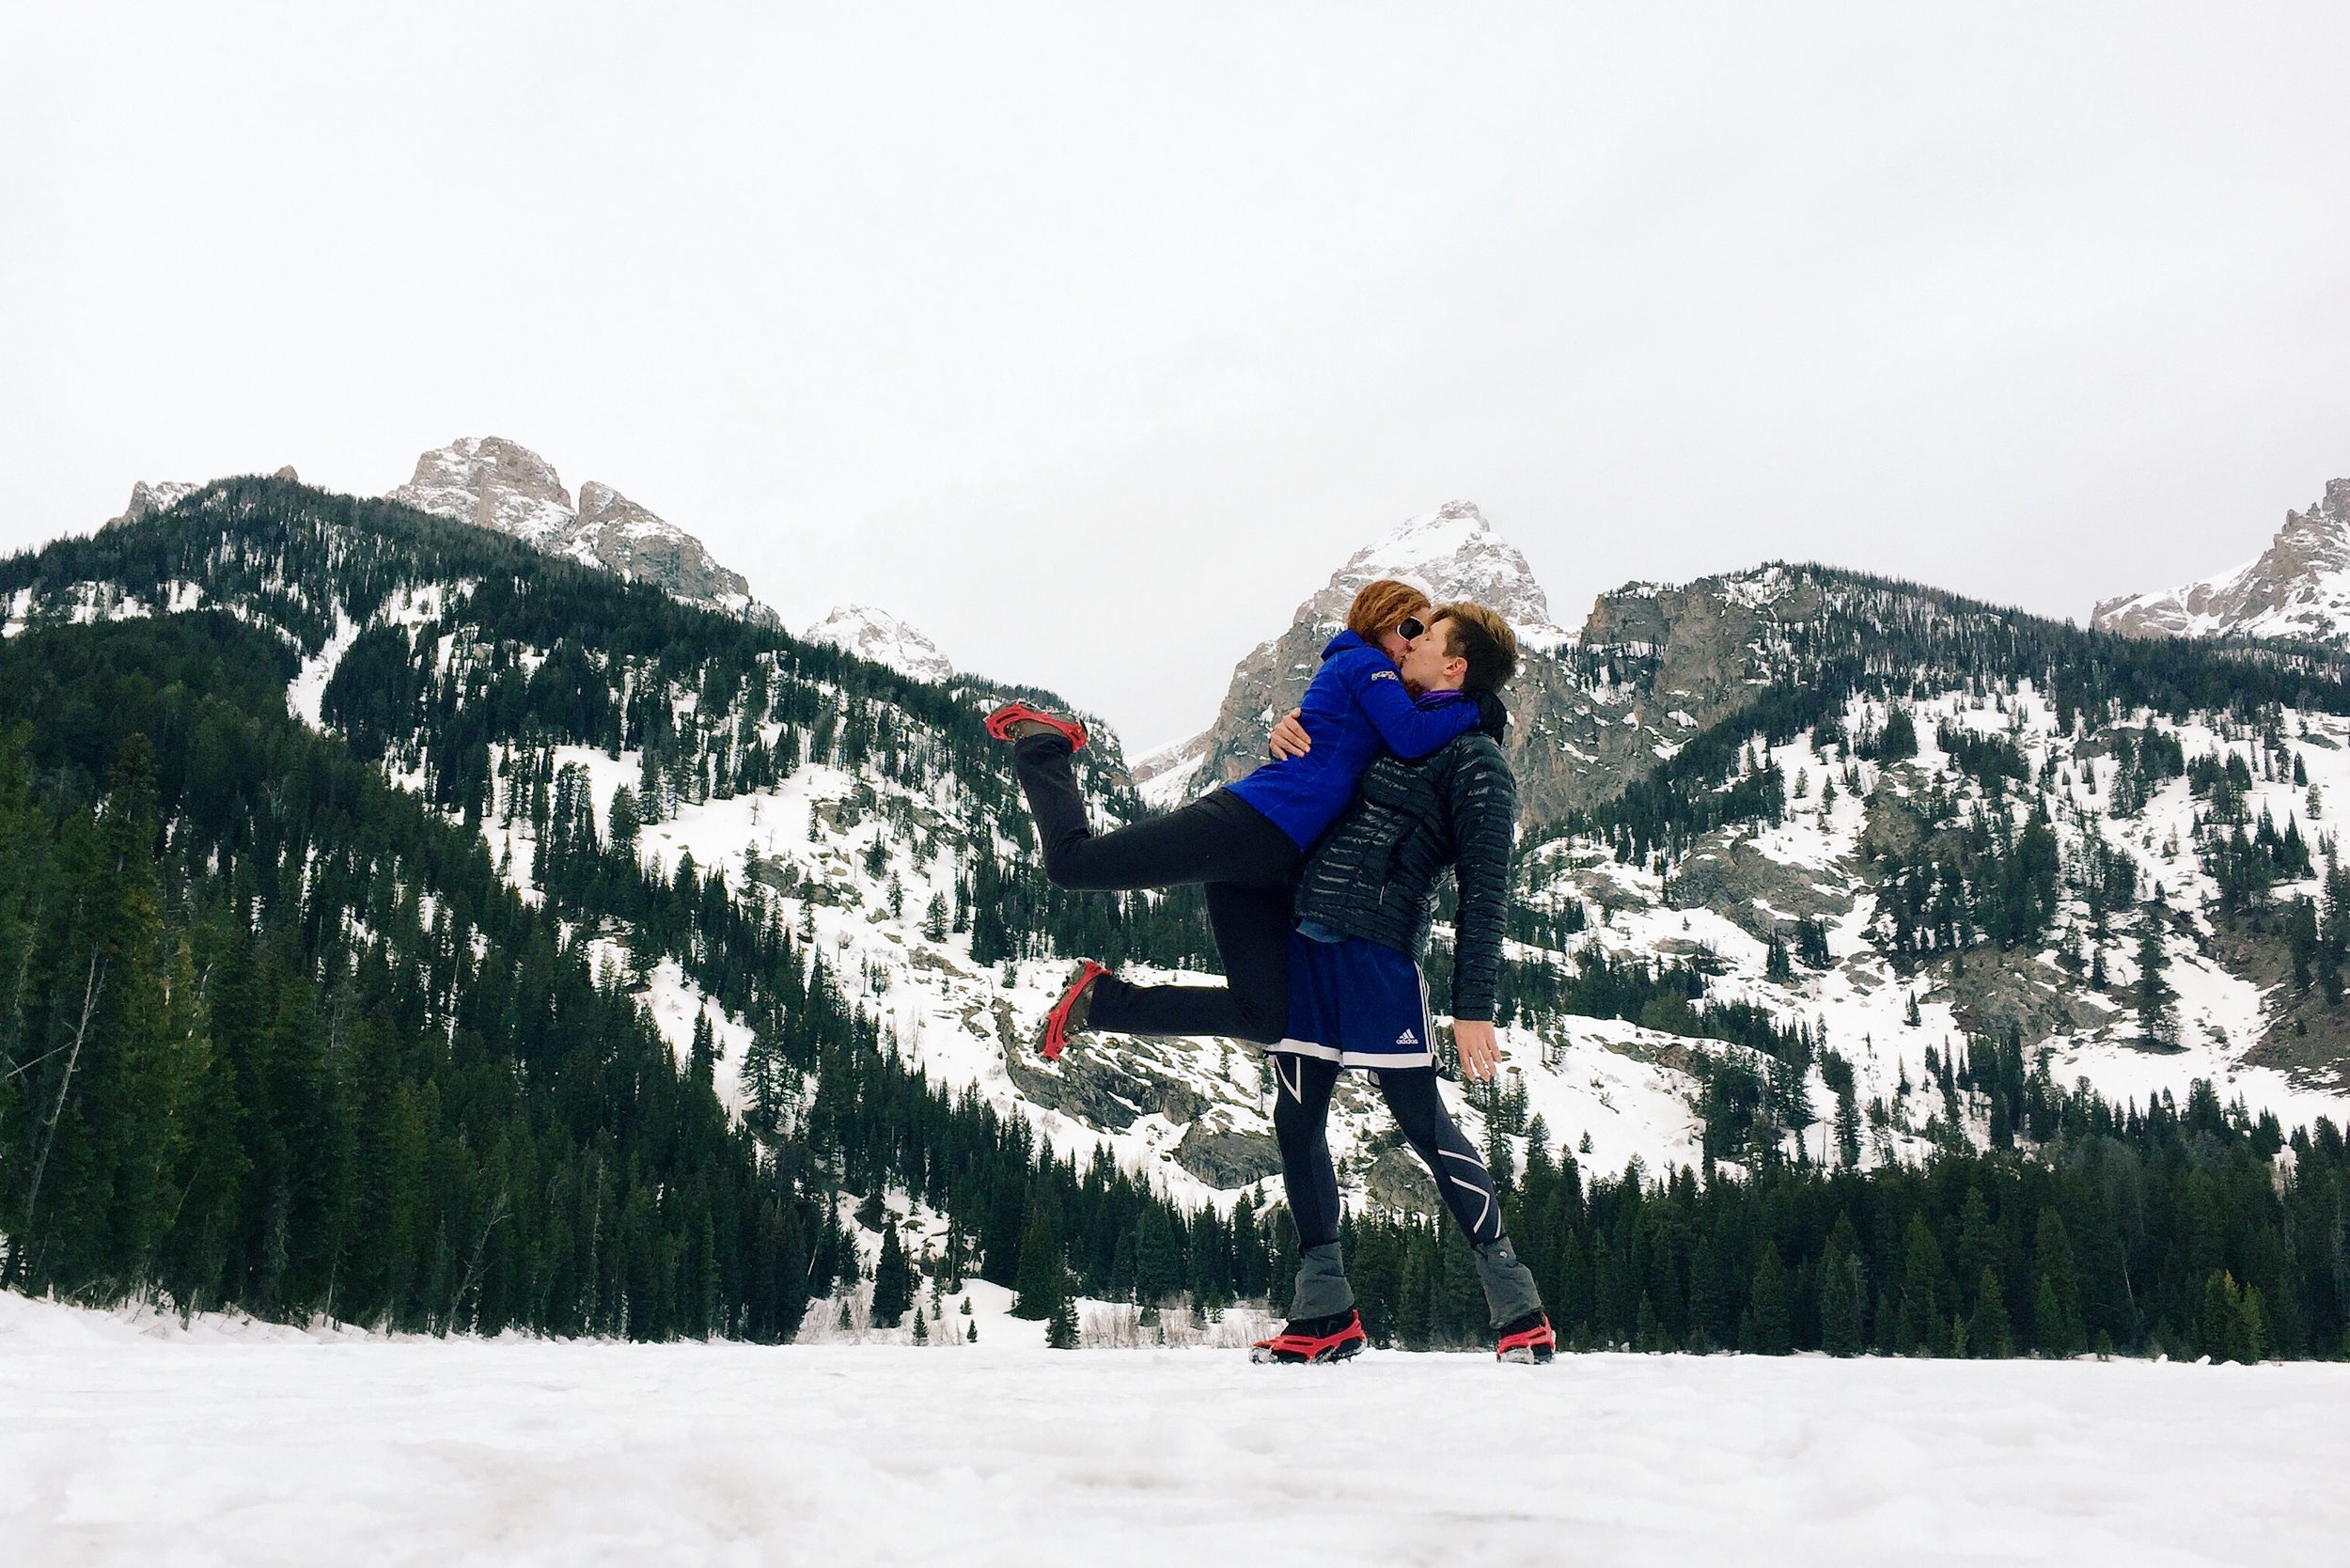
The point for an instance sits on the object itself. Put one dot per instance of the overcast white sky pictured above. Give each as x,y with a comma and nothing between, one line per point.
1092,343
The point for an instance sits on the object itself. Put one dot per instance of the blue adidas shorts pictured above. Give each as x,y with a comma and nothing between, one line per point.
1357,1004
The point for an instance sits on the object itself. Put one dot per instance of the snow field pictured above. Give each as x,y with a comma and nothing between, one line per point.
202,1448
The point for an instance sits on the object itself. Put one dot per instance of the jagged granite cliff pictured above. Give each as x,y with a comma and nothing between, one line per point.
2299,588
499,484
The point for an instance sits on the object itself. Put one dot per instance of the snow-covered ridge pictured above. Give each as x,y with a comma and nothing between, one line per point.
499,484
856,859
2298,587
147,499
1454,553
876,635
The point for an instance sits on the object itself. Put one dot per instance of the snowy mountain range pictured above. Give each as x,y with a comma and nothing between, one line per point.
1660,669
506,487
1711,803
2297,588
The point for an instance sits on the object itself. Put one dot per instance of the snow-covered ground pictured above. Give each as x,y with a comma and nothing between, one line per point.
117,1446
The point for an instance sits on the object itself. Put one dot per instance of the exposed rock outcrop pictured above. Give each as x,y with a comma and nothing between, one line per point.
2299,588
495,483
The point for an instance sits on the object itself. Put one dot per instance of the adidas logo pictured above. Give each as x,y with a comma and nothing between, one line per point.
1407,1038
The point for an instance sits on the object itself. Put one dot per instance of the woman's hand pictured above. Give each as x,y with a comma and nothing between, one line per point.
1290,738
1481,1051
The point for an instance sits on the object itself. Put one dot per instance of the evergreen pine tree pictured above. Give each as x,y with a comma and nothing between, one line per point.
2056,1293
1988,1333
1769,1328
893,1279
1158,1261
2156,1021
2230,1325
1923,1330
1042,1270
1060,1329
1841,1291
705,1048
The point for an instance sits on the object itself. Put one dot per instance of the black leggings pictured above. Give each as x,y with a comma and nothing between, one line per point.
1249,867
1301,1113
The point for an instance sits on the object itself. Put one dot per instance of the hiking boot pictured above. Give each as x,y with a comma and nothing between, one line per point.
1526,1340
1305,1341
1017,721
1068,1016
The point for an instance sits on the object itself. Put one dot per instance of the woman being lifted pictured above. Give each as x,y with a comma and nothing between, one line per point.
1246,842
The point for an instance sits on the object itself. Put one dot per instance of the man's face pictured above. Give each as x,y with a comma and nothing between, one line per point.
1426,666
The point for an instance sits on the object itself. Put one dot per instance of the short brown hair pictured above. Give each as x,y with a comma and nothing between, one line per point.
1381,605
1484,639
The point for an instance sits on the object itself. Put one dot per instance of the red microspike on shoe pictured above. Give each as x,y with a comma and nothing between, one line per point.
1308,1347
1537,1343
1054,1039
999,723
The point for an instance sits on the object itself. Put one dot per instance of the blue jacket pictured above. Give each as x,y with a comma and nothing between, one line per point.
1355,707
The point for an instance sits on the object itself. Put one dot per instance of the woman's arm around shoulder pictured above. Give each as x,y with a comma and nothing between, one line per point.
1407,729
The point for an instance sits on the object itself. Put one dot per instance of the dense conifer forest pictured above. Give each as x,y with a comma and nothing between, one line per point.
2161,1231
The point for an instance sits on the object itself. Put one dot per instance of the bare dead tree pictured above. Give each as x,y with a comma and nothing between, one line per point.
91,985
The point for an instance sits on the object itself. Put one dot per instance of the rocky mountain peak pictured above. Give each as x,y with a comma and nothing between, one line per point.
149,499
616,534
876,635
499,484
493,483
2299,588
1452,552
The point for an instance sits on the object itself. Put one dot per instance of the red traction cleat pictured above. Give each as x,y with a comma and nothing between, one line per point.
1527,1340
999,723
1052,1036
1309,1341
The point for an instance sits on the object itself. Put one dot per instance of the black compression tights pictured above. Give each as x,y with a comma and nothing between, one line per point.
1248,866
1301,1113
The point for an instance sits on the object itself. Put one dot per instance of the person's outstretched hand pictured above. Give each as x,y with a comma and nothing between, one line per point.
1290,738
1480,1050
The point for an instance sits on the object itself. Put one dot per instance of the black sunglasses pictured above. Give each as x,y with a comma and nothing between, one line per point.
1409,628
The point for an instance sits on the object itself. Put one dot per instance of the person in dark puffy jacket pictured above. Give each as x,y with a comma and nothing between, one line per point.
1358,996
1246,841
